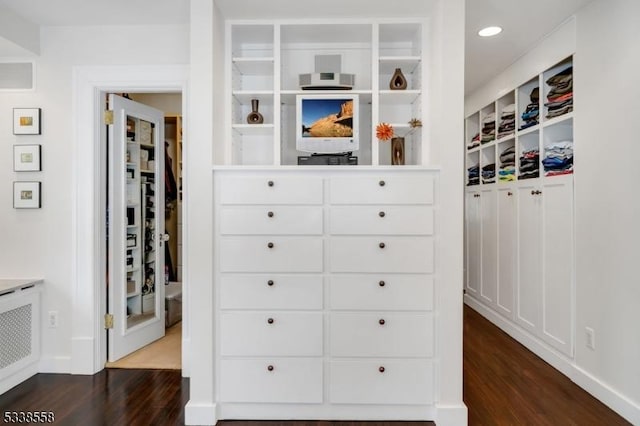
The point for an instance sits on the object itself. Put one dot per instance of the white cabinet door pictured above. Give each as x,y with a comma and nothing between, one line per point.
489,220
529,299
474,239
557,282
507,248
136,226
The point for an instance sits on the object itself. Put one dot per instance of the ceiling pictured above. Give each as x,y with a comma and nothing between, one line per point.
525,22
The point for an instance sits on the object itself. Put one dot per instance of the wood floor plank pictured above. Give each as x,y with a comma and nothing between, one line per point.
504,384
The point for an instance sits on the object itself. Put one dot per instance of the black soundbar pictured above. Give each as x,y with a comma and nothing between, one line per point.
328,160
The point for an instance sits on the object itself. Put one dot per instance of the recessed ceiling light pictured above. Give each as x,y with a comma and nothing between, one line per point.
489,31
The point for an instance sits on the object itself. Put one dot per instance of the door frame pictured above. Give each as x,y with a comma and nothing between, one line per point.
90,83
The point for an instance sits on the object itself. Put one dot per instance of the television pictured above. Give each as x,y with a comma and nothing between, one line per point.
327,123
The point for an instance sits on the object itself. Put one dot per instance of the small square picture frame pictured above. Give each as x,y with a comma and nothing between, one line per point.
26,195
27,158
26,121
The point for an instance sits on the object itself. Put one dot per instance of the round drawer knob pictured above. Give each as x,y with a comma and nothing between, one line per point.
382,245
382,214
270,214
270,283
270,320
381,321
509,193
533,192
270,245
270,183
270,367
382,183
381,369
381,283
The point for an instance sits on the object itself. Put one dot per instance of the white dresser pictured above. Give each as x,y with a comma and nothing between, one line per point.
324,293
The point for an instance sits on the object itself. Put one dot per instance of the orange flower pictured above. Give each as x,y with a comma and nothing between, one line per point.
384,131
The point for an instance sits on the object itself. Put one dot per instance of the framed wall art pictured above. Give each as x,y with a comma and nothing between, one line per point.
26,121
26,195
26,158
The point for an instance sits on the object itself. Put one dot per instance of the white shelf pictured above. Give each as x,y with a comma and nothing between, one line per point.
245,96
407,64
253,129
557,120
399,97
254,66
528,130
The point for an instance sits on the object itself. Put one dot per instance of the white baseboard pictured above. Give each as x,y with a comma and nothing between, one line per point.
451,415
600,390
18,377
56,364
200,414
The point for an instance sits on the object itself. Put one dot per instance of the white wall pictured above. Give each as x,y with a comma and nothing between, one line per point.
38,242
607,202
604,38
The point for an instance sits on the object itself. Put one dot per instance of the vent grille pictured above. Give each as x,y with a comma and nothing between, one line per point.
16,76
15,335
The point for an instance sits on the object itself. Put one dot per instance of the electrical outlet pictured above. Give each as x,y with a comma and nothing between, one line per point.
591,338
53,319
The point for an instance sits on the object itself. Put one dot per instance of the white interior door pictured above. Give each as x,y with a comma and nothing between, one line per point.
136,226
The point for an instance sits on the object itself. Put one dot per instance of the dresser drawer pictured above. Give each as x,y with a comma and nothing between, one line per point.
270,189
381,382
275,254
381,220
271,380
382,254
271,334
381,334
271,292
381,292
271,220
382,189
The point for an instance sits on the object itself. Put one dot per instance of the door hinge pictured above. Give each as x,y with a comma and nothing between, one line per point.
108,321
108,116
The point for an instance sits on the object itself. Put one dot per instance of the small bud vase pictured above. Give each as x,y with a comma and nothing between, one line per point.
397,151
254,116
398,81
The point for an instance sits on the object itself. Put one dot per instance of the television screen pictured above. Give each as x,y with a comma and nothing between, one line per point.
327,123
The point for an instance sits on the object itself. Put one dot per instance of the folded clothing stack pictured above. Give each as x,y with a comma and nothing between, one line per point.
507,172
530,164
475,141
473,175
488,128
560,97
507,121
489,173
531,114
558,158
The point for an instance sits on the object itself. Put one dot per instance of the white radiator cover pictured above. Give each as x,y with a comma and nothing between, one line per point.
19,336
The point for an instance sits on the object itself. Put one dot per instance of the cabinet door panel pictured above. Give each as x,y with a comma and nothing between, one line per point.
289,380
382,189
506,251
381,292
271,334
271,220
286,254
381,220
399,382
269,189
473,249
558,274
489,215
529,258
382,334
382,254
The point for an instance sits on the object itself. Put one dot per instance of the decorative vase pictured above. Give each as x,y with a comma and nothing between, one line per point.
398,82
254,116
397,151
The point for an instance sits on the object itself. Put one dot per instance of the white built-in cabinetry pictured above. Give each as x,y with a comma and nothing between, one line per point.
264,60
519,222
325,292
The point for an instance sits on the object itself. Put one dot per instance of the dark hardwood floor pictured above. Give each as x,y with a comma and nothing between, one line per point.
504,384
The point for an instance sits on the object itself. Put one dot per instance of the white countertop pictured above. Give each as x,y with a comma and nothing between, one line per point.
7,285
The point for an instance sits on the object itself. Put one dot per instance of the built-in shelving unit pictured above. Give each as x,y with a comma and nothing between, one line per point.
519,225
264,62
140,202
